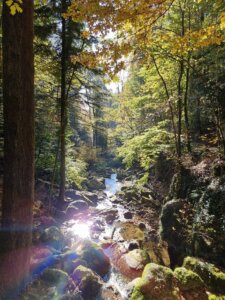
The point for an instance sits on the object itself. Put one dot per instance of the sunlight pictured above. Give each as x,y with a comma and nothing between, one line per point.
81,229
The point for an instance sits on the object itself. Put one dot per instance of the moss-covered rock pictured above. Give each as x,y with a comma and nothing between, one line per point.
176,220
212,276
130,231
188,280
53,237
55,277
157,283
89,282
158,252
95,257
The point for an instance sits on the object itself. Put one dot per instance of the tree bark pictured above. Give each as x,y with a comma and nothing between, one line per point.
18,189
63,111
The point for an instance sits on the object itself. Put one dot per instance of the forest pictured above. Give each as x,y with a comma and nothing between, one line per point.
112,150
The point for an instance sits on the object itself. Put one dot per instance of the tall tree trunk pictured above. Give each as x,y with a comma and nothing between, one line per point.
18,189
186,117
179,89
169,103
186,93
63,110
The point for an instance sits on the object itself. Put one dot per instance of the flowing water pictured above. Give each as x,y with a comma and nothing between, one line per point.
81,228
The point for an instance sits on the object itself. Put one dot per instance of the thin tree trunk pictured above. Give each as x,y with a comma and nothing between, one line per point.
180,90
186,118
18,188
63,111
169,103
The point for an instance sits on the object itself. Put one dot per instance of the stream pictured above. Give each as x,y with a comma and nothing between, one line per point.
114,224
82,228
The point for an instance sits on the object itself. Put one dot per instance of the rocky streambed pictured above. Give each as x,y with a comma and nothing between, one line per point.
106,245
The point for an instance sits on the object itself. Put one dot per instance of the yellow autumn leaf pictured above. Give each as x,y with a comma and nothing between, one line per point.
9,2
222,21
12,10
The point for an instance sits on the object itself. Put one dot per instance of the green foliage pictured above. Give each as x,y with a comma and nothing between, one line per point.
146,147
76,172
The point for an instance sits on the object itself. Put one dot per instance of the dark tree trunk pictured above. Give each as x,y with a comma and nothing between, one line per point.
63,111
18,189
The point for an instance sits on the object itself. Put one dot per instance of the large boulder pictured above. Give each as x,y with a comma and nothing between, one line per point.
157,282
71,211
136,259
95,184
190,284
130,231
72,194
55,277
158,252
89,282
91,196
212,276
80,204
53,237
95,257
176,223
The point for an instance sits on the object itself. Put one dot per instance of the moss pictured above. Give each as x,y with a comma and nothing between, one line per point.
157,270
157,282
188,280
215,297
212,276
137,294
55,276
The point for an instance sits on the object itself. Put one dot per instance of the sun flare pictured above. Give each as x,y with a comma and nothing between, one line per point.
81,229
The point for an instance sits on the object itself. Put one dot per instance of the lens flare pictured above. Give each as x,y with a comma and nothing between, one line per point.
82,230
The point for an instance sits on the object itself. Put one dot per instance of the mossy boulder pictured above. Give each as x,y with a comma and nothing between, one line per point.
188,280
157,283
55,277
130,231
158,252
176,220
89,282
212,276
95,257
190,284
94,184
53,237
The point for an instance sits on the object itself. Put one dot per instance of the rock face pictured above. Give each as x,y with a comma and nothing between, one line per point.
212,276
139,194
209,214
157,282
192,220
176,220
